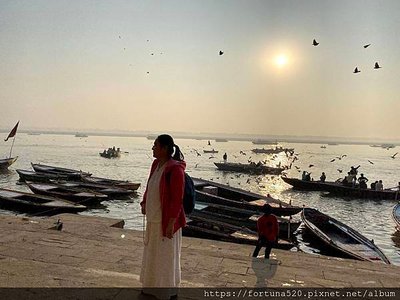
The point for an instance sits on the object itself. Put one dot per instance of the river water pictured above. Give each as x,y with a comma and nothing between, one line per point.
370,217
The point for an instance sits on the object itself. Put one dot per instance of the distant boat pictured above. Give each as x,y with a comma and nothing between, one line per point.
210,151
221,140
341,237
28,175
81,135
264,142
248,168
323,147
151,137
275,150
6,162
34,133
333,144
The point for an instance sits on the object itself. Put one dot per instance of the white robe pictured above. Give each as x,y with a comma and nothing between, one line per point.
161,255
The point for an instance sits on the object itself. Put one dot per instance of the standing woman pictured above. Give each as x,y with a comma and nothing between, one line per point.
162,204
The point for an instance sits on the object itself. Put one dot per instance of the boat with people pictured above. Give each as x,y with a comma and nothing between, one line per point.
6,162
217,193
59,170
338,188
111,153
216,230
38,204
114,182
396,215
275,150
251,168
81,196
341,237
242,217
210,151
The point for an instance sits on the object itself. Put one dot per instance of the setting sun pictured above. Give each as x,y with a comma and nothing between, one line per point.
281,60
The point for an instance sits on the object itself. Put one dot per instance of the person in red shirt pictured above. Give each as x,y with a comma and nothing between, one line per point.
268,229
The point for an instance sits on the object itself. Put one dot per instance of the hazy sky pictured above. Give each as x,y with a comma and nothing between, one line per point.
83,64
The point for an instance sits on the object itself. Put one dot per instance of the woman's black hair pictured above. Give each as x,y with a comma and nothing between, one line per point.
167,141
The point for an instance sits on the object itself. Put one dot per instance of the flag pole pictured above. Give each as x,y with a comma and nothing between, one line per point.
12,145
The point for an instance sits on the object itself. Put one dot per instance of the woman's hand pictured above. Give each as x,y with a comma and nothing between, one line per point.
170,228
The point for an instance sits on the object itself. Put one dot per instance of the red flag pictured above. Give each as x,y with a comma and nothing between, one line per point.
12,133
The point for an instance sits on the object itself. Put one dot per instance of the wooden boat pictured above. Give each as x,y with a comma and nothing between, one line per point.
241,217
27,175
59,170
264,142
212,192
341,189
210,151
341,237
85,197
44,205
81,135
396,215
117,183
109,190
248,168
216,230
220,140
110,155
6,162
275,150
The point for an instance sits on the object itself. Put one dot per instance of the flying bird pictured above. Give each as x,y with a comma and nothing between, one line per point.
394,155
366,46
119,36
332,160
370,162
356,70
196,165
221,52
377,66
315,43
310,166
339,170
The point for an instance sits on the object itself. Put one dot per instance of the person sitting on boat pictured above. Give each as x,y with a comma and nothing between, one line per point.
363,181
308,176
225,157
303,176
268,230
323,177
348,180
379,186
373,185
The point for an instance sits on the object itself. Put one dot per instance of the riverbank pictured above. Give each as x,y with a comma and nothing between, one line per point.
95,252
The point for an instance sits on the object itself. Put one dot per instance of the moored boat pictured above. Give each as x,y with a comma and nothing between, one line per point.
109,190
216,230
85,197
264,142
242,218
43,205
341,237
396,215
59,170
6,162
217,193
341,189
118,183
251,168
275,150
27,175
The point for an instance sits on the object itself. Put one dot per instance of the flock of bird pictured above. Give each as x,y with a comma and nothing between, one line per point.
356,70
